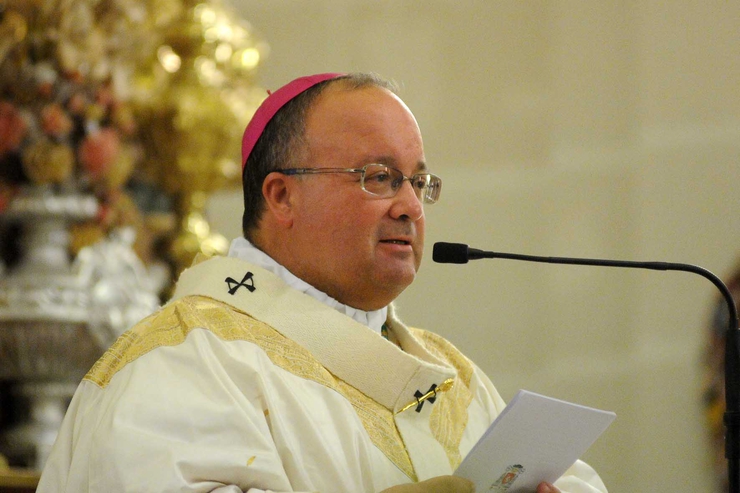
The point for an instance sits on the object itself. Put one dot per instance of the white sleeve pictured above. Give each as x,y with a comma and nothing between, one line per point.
171,421
580,478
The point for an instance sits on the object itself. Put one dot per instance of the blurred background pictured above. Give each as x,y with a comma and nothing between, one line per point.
575,128
606,129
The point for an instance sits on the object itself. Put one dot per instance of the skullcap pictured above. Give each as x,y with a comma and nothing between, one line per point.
272,104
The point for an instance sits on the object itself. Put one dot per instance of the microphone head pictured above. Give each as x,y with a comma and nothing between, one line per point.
450,253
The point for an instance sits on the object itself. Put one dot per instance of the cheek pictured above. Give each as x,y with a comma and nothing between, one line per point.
420,229
357,219
318,210
420,243
344,223
354,233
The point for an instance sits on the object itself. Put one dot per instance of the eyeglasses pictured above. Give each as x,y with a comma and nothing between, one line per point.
382,181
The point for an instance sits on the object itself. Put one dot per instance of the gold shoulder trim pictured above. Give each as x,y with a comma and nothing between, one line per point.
449,415
171,325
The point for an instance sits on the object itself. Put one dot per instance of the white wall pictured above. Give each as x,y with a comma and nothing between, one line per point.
592,128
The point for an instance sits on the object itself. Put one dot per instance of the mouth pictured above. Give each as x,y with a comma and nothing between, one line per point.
396,242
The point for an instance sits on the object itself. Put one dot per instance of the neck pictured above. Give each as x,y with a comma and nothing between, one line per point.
242,248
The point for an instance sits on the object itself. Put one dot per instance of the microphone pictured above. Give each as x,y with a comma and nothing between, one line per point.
454,253
459,253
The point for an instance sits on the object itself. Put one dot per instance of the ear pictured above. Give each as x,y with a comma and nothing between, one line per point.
277,189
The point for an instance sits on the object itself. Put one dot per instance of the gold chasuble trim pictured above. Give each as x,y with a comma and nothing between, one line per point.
171,325
449,416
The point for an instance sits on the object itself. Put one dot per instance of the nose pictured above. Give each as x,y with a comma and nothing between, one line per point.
407,203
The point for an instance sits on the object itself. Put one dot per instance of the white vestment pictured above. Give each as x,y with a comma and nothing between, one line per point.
242,383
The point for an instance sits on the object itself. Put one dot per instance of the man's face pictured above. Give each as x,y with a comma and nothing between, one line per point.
360,249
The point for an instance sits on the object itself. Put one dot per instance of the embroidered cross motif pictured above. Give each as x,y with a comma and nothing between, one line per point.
234,286
430,396
419,395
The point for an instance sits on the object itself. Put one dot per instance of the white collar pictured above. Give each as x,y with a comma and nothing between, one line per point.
241,248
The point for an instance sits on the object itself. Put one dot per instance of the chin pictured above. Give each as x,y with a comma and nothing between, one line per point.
397,283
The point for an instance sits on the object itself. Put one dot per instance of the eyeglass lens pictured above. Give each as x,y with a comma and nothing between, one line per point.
386,181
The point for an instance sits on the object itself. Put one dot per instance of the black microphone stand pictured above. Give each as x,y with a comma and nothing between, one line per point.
456,254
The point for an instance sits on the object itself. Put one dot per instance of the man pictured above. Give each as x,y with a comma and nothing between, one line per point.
283,366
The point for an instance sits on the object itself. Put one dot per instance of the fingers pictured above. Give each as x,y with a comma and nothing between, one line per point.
445,484
547,488
439,484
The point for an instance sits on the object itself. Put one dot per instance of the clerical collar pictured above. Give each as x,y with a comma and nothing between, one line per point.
241,248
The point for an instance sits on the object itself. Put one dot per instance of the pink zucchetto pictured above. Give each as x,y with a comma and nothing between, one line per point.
272,104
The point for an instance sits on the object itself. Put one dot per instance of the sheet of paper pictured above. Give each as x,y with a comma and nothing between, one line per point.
536,438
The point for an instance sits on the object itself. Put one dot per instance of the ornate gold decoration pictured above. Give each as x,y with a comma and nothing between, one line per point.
68,145
65,119
13,30
196,96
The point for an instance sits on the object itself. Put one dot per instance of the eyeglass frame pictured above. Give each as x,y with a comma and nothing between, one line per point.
425,197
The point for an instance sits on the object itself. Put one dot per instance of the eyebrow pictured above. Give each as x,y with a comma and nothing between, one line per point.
421,166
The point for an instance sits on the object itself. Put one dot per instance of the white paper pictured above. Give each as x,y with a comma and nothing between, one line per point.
534,439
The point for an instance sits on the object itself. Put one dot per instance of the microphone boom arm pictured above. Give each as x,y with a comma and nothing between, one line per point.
459,253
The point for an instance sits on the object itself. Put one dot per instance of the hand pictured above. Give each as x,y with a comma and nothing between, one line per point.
439,484
547,488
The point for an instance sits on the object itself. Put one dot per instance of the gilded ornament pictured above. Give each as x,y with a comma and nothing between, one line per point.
200,99
13,30
118,174
47,162
68,145
84,234
82,45
95,112
123,118
118,209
